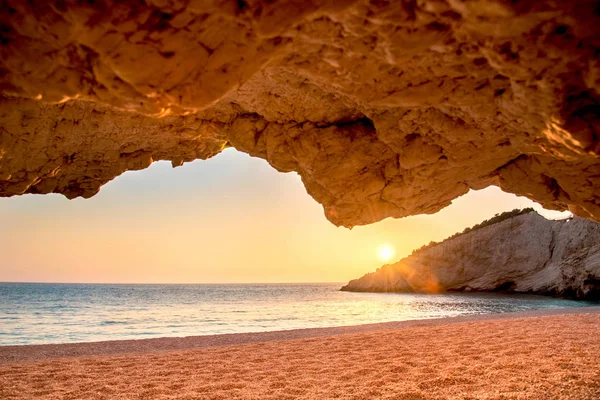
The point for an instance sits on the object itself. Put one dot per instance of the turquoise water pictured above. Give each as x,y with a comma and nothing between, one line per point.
57,313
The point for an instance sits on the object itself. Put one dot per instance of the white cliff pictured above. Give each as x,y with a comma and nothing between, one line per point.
526,253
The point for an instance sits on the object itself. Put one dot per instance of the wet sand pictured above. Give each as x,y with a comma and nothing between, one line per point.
552,354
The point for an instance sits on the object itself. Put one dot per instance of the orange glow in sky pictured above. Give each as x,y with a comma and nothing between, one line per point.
229,219
385,252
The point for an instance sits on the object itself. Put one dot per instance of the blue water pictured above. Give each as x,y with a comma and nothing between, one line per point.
33,313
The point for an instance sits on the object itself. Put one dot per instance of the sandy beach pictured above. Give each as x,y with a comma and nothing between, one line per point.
552,354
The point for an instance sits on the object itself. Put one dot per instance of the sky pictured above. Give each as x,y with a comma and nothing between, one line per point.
230,219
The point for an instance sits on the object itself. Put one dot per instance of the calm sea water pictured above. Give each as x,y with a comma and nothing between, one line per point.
56,313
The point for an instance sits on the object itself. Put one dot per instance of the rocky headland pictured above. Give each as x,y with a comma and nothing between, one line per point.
526,254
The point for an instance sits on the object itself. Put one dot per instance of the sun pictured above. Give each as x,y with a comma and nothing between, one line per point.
385,252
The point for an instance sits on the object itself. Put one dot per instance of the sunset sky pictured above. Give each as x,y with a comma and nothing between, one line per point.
229,219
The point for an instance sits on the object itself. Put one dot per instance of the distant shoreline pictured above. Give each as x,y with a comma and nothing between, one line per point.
35,352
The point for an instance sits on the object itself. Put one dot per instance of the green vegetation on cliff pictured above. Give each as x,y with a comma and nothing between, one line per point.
494,220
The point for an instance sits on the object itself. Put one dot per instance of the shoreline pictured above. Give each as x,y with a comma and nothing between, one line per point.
543,354
36,352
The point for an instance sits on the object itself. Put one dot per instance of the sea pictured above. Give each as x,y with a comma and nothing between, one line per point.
42,313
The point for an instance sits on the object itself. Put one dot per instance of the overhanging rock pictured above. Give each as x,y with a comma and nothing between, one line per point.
383,108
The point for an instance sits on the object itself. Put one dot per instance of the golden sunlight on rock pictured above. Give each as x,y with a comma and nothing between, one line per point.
384,109
205,285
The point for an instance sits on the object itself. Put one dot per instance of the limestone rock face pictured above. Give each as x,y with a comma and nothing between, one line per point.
527,253
385,108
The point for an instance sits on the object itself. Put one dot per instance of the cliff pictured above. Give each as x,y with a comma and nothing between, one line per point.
385,109
526,253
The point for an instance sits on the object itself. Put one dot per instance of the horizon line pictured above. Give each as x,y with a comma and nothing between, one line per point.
170,283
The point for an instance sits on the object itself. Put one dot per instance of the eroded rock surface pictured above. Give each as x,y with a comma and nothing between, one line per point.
527,253
384,108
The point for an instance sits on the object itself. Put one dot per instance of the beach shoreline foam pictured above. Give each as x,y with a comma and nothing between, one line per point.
115,347
522,355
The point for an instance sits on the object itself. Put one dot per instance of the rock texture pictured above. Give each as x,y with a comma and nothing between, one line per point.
527,253
385,108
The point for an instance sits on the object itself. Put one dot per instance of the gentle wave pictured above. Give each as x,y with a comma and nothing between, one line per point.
55,313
